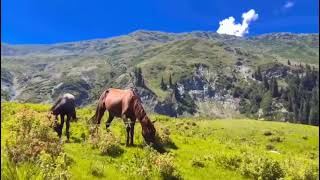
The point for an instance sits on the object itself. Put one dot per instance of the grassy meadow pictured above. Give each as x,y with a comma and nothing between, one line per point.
192,148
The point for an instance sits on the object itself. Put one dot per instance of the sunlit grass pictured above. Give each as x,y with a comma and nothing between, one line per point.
195,140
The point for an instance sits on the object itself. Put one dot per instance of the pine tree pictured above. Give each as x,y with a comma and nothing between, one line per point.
258,75
274,88
176,92
290,106
139,77
170,81
162,84
295,112
314,107
266,103
306,111
266,83
300,116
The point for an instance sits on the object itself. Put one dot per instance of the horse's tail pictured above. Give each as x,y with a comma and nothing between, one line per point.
96,118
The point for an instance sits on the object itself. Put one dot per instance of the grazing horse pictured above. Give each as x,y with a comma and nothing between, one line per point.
125,104
65,105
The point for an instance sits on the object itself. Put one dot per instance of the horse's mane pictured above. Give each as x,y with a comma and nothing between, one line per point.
137,107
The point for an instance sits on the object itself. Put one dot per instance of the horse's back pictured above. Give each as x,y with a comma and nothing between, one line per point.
118,100
66,104
68,96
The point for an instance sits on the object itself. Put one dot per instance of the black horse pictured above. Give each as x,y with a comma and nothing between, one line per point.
65,105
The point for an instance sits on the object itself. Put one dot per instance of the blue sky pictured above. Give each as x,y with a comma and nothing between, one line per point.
51,21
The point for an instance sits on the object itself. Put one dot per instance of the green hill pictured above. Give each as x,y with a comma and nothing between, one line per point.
205,65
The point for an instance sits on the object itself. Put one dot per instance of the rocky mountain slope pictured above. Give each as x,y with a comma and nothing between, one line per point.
198,69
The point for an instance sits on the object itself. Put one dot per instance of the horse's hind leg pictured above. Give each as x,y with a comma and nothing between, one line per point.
67,127
110,118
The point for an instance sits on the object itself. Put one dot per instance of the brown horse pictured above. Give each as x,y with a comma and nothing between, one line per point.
65,105
125,104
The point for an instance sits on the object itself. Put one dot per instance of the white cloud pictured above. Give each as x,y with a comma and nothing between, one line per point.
289,4
228,26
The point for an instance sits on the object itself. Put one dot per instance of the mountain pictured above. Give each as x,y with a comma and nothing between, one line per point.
205,68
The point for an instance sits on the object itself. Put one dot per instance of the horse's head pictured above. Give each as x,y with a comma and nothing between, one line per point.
52,117
148,131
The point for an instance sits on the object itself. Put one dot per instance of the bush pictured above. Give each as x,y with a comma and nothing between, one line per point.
164,164
32,133
97,169
312,172
271,169
251,165
94,136
261,167
270,147
151,162
297,169
267,133
229,160
276,139
195,162
163,136
110,145
54,168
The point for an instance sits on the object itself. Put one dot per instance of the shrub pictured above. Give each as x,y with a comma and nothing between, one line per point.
163,136
97,169
110,145
261,167
312,172
165,166
94,136
54,168
31,133
195,162
267,133
297,169
152,161
229,160
276,139
251,165
271,169
140,164
270,147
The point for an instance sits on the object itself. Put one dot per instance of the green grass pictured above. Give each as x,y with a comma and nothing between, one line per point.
201,140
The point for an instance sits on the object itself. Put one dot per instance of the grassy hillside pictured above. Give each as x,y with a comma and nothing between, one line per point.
37,71
196,148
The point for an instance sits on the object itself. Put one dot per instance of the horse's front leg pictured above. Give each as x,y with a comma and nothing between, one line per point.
132,123
67,127
125,120
61,126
